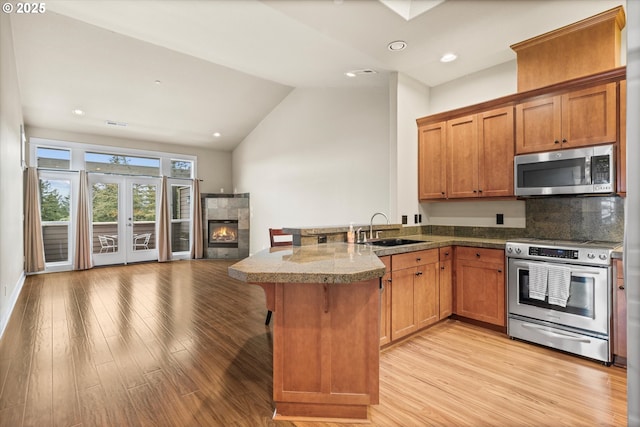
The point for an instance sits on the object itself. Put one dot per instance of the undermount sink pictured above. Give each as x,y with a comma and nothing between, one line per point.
393,242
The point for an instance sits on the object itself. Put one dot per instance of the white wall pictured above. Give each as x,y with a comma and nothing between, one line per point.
412,99
214,167
11,177
321,157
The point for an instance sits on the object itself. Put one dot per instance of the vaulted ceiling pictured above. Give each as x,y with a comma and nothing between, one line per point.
179,71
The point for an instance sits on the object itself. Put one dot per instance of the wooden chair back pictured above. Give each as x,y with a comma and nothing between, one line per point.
280,238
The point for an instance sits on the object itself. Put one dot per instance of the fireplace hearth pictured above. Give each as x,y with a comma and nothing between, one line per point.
223,233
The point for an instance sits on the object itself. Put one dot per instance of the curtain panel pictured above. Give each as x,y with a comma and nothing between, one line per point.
196,223
34,245
82,259
164,225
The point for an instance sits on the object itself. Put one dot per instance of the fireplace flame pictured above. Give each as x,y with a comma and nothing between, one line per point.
223,234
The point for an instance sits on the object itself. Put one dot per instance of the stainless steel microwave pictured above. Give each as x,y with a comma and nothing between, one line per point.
589,170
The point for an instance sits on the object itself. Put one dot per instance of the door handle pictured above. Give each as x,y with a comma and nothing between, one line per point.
553,334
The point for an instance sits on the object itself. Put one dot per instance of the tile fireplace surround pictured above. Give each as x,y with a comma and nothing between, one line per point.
221,206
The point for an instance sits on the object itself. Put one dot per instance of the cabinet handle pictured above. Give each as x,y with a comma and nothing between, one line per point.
556,142
442,268
621,287
499,270
419,273
478,254
564,141
479,191
474,191
418,259
446,253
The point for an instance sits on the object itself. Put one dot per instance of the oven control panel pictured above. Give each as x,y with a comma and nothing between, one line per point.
571,254
553,252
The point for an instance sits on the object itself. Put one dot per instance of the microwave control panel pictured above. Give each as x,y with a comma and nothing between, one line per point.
600,171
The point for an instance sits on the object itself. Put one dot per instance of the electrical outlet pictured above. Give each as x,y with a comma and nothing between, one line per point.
499,218
415,219
404,220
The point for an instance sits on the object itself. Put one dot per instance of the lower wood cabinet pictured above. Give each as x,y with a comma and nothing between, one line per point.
619,315
385,302
414,291
446,281
480,284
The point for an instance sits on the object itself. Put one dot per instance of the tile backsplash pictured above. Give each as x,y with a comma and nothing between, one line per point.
557,217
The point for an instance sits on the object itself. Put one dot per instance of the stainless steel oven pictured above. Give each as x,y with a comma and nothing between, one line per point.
559,295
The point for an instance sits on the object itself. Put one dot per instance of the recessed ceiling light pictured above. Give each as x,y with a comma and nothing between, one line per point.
397,45
158,82
448,57
217,134
78,112
355,73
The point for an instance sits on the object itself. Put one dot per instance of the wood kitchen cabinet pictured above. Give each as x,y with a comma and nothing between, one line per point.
385,302
326,352
480,149
414,291
621,168
619,316
432,161
446,281
480,284
574,119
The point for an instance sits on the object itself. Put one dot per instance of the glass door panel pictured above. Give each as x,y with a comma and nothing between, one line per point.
124,211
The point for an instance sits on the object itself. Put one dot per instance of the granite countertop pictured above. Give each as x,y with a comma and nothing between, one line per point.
323,263
342,262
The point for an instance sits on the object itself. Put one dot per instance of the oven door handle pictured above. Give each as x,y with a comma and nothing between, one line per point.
574,273
555,334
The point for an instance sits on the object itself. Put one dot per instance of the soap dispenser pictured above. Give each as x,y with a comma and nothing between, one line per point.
351,235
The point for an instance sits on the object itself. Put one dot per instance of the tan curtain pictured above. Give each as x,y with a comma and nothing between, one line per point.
82,259
33,245
164,226
196,223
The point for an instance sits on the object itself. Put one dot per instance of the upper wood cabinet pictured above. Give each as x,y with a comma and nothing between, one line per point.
431,161
575,119
621,168
480,153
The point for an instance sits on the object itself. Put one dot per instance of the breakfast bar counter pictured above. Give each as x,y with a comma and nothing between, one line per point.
326,304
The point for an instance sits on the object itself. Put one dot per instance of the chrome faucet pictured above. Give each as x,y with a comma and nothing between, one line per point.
371,223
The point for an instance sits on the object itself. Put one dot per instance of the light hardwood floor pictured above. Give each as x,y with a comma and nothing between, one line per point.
182,344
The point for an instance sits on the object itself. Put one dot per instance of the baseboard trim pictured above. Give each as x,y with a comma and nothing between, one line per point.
13,299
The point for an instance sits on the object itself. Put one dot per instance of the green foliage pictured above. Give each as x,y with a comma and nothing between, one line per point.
105,202
53,205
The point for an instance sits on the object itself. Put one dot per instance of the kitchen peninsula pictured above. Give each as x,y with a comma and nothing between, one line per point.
326,327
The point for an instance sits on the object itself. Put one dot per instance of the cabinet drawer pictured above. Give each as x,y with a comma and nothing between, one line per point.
446,253
490,255
413,259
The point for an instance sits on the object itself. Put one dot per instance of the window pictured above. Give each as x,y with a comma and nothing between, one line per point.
55,199
180,218
53,158
121,164
181,169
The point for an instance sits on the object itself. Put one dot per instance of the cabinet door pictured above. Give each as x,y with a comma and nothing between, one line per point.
619,316
385,302
589,116
426,295
462,157
480,285
622,146
496,151
446,282
538,125
431,161
402,320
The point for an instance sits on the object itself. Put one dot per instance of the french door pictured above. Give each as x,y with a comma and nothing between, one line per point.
124,215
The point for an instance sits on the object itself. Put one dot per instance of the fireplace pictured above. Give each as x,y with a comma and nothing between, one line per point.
223,233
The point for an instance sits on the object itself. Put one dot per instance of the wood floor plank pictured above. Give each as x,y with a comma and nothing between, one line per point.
182,344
